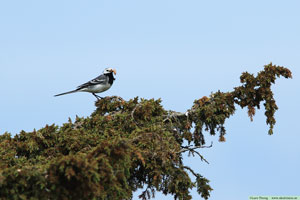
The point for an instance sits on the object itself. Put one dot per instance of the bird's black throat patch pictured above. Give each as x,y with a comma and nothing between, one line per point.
110,78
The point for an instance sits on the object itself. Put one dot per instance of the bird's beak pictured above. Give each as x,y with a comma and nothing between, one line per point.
114,71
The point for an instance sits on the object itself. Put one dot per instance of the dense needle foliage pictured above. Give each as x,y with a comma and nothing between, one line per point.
127,145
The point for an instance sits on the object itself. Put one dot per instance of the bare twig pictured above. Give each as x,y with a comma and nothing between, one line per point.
174,115
132,112
190,147
192,150
192,171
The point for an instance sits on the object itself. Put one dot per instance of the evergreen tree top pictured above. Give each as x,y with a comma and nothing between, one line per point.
126,145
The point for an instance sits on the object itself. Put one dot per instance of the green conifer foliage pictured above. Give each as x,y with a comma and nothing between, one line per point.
127,145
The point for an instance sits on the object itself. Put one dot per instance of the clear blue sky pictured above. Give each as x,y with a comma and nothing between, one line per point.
175,50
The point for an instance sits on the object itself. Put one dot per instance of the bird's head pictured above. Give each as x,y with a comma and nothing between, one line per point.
109,70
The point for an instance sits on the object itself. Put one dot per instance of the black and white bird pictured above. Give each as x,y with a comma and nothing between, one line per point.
97,85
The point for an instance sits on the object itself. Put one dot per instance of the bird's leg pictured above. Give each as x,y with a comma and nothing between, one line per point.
98,97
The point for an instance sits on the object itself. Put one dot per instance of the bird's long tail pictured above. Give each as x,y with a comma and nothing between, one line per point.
66,93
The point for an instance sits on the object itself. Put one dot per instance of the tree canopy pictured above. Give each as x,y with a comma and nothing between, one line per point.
127,145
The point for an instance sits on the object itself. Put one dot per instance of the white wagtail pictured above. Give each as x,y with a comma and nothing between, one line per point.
97,85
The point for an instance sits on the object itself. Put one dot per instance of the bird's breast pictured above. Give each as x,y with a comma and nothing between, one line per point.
97,88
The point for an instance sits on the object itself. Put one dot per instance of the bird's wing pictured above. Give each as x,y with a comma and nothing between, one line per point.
102,79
